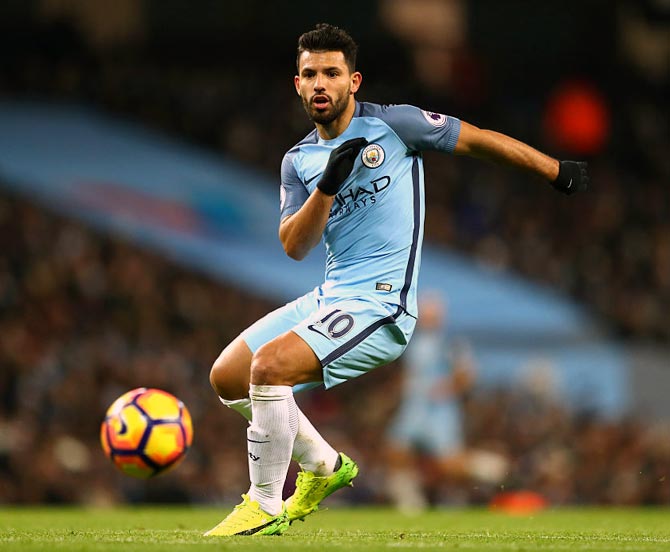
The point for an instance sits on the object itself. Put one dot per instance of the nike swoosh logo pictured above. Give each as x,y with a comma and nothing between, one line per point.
310,179
124,426
255,530
569,184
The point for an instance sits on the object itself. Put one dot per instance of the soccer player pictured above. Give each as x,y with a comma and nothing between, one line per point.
436,374
356,182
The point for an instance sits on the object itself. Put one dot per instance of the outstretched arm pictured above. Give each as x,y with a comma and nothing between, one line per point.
566,176
497,147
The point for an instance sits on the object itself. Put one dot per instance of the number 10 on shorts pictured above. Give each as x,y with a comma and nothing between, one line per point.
334,325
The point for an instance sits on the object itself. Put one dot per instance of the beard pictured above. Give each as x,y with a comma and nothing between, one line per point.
328,115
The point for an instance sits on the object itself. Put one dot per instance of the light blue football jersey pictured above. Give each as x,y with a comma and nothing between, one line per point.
374,233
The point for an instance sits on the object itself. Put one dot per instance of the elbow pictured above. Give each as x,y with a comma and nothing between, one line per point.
294,251
295,244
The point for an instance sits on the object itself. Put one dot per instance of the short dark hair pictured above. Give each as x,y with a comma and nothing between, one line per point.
328,38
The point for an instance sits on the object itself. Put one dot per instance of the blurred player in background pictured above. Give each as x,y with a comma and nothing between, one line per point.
429,419
356,182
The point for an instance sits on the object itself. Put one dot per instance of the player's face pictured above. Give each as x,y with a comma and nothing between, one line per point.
326,85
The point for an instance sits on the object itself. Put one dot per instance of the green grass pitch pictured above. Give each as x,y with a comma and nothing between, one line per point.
180,528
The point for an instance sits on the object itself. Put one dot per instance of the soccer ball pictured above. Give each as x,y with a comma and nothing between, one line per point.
146,432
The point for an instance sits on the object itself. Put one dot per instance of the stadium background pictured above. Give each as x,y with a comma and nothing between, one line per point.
87,312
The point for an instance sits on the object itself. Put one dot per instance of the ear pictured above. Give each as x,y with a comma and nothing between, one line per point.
296,82
356,79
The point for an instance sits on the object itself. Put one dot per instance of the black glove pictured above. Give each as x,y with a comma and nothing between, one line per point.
572,177
340,164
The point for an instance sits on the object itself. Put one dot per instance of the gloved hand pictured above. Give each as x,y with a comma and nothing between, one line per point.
339,166
572,177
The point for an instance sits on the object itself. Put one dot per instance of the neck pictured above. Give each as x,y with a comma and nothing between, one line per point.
338,126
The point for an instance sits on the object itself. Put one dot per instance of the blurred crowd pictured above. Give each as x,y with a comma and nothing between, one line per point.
609,249
85,317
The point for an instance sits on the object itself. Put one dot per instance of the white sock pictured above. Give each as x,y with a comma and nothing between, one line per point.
270,438
310,449
241,406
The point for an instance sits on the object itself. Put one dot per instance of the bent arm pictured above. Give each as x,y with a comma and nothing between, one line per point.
300,232
500,148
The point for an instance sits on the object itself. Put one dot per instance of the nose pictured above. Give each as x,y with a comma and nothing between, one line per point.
318,84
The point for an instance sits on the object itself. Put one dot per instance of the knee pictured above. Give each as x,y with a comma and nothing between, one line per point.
217,378
267,367
225,384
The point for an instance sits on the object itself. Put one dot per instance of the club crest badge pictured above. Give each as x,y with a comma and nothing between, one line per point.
372,156
435,119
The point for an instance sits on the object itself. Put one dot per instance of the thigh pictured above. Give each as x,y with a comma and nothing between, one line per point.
352,336
272,335
279,321
286,360
231,373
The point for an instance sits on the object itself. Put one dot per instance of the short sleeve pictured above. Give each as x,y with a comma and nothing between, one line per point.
422,130
292,193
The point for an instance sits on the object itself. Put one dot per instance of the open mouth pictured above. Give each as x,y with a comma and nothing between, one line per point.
320,101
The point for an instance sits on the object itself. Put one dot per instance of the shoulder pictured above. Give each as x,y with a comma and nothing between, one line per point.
289,160
387,112
404,113
418,128
399,117
311,138
373,113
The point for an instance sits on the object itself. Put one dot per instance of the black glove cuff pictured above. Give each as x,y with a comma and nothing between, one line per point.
572,177
564,180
